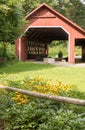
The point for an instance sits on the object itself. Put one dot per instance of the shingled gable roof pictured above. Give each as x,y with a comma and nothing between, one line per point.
57,14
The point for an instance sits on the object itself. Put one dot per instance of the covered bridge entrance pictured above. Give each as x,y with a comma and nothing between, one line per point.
45,25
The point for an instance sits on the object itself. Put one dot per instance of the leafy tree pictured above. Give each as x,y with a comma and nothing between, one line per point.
77,12
30,5
74,10
11,19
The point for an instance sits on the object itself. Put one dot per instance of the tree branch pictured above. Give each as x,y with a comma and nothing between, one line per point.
46,96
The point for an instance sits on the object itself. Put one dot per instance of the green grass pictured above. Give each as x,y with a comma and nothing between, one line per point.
53,51
68,75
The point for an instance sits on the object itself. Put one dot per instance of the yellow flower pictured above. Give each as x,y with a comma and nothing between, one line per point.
25,96
17,92
18,96
19,103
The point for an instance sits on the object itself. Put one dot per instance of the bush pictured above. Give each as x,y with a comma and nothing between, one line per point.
7,50
1,51
60,54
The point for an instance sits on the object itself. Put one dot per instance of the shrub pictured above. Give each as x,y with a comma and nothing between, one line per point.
7,50
60,54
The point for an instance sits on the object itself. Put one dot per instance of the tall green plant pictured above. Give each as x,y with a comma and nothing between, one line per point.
7,50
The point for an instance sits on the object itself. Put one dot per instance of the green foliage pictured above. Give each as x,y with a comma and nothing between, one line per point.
1,50
7,50
76,94
30,5
20,112
11,20
10,51
55,47
40,114
60,54
7,53
58,43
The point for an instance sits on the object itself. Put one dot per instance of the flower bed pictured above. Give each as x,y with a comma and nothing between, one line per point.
21,112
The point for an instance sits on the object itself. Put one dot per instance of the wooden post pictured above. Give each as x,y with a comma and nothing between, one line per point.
83,53
71,58
46,49
46,96
23,48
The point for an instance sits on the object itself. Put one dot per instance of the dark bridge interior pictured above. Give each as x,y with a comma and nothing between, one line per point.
47,34
39,38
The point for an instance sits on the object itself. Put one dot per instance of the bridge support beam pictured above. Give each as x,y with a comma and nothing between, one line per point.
71,57
83,53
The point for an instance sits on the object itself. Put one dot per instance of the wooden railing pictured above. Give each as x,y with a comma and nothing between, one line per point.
46,96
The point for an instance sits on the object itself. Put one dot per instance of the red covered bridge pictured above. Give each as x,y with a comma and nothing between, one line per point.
45,25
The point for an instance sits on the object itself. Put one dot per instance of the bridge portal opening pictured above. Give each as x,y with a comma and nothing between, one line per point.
39,39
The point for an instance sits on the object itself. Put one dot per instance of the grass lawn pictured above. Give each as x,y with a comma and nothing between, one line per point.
68,75
53,51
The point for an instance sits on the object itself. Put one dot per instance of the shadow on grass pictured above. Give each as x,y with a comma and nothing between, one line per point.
16,67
